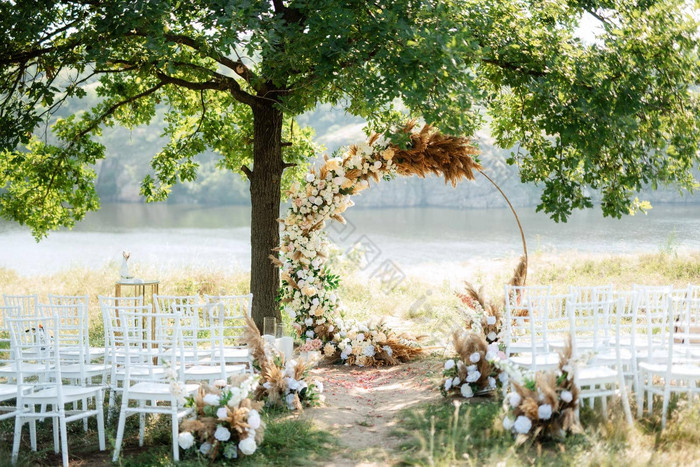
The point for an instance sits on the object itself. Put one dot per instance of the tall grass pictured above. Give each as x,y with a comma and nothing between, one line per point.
418,306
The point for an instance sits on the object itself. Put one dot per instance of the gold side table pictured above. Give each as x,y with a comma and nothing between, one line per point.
137,289
144,288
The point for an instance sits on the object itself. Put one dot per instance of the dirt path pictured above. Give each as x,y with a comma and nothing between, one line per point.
362,405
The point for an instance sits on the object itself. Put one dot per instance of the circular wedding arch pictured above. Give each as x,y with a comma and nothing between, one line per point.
307,285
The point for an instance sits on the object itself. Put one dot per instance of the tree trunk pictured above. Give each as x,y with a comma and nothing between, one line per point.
265,187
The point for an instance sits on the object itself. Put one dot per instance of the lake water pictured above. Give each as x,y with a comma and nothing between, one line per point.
415,239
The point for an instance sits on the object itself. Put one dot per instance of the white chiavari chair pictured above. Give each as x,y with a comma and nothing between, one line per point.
36,341
152,342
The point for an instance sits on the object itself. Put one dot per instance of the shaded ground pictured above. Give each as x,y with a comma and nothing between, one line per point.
362,405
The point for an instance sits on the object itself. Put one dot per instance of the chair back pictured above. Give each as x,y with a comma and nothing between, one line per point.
165,303
227,315
27,303
597,293
35,352
71,333
650,312
684,330
6,313
591,325
152,343
195,331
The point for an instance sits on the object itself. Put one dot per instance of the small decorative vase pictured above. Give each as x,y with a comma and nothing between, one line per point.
124,272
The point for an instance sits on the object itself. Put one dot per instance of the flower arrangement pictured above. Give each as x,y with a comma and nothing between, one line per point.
282,383
311,345
476,370
227,422
544,405
307,290
483,315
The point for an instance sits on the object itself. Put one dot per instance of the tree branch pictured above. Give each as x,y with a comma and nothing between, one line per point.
248,173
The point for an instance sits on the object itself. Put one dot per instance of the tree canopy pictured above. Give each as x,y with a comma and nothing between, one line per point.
612,115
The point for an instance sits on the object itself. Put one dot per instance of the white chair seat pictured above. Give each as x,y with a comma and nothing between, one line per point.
677,371
233,353
73,371
7,391
609,355
27,369
70,394
202,371
542,361
595,375
156,391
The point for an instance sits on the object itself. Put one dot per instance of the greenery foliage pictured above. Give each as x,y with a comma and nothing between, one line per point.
610,116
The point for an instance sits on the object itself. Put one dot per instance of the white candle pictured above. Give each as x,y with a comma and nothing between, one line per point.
285,345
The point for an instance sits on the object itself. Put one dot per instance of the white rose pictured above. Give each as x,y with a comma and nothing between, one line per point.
508,423
248,446
309,333
254,419
492,382
514,399
212,399
492,336
544,412
449,364
491,320
310,177
566,396
222,433
368,351
522,424
205,448
185,440
309,321
222,413
503,376
448,384
471,368
466,391
475,357
473,377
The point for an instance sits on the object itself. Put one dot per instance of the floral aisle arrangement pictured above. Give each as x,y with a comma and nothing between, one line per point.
478,368
544,405
307,291
227,421
282,383
484,316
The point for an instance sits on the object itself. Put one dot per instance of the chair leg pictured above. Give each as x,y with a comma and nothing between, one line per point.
650,402
664,405
64,436
110,402
32,430
142,423
18,437
639,388
56,429
625,400
120,428
100,420
604,405
175,428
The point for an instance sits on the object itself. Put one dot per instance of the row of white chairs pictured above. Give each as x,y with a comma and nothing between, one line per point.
649,336
183,342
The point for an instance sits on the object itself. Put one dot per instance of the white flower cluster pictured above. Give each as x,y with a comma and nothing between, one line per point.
297,388
467,386
223,404
321,197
